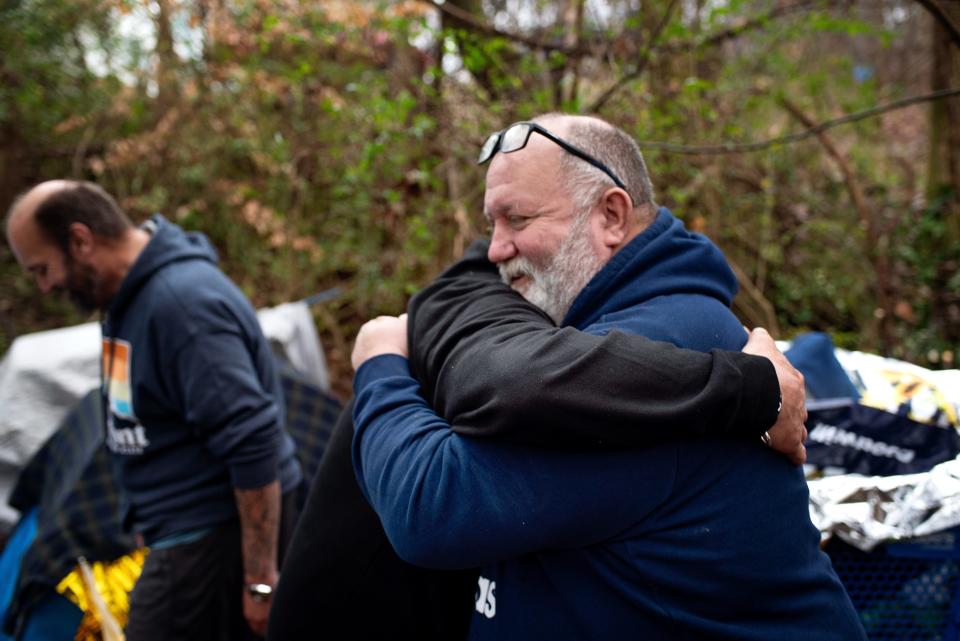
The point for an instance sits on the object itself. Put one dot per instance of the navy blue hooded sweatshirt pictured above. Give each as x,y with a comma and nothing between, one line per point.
701,540
194,397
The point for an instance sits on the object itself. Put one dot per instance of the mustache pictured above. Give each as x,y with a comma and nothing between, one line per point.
517,266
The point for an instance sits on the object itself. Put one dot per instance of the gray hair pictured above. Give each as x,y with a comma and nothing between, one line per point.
611,146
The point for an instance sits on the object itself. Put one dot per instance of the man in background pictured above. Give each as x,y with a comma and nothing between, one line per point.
193,408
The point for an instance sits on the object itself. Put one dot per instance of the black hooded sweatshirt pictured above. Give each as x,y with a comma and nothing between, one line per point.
195,407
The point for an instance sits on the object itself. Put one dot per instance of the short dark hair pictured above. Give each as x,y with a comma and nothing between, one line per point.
80,202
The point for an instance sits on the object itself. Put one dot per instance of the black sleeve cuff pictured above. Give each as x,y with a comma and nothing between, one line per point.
759,396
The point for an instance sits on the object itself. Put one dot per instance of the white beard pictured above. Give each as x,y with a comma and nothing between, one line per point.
554,286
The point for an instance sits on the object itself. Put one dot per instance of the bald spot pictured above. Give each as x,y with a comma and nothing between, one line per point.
559,124
26,206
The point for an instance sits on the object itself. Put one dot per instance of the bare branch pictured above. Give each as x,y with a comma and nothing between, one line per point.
482,27
589,48
737,148
737,30
940,15
705,41
640,66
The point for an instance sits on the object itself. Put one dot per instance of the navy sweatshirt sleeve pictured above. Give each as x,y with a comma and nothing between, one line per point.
493,364
449,501
226,405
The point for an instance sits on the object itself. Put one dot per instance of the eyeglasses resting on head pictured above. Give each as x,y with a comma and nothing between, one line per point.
515,137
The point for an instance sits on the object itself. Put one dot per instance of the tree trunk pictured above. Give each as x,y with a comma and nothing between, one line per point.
943,178
166,59
573,29
12,166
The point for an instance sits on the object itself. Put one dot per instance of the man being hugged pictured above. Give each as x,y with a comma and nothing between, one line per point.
702,539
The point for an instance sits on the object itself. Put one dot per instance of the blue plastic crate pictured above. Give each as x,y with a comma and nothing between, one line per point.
904,591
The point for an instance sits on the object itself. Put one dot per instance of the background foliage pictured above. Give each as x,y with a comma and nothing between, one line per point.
332,144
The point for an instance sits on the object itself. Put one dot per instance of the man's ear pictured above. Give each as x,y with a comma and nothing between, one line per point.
616,207
81,241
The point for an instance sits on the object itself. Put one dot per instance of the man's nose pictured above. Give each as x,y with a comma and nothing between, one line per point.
44,284
501,245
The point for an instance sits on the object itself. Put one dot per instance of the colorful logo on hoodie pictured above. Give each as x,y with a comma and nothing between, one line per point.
125,435
116,370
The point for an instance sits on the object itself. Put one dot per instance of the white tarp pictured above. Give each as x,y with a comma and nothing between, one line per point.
933,396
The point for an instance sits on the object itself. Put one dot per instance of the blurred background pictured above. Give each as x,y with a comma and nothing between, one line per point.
333,144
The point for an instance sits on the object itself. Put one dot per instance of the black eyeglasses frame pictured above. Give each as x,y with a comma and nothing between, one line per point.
492,145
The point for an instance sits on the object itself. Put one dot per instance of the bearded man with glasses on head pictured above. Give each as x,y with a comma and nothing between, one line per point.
621,498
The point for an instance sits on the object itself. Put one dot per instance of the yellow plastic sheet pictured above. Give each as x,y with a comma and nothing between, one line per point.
114,581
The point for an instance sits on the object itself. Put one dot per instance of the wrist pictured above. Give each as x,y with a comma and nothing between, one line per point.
372,351
259,592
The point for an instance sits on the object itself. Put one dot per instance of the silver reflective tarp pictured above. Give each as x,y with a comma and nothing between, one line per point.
865,511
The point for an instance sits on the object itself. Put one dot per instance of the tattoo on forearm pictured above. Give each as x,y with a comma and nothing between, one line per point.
259,523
